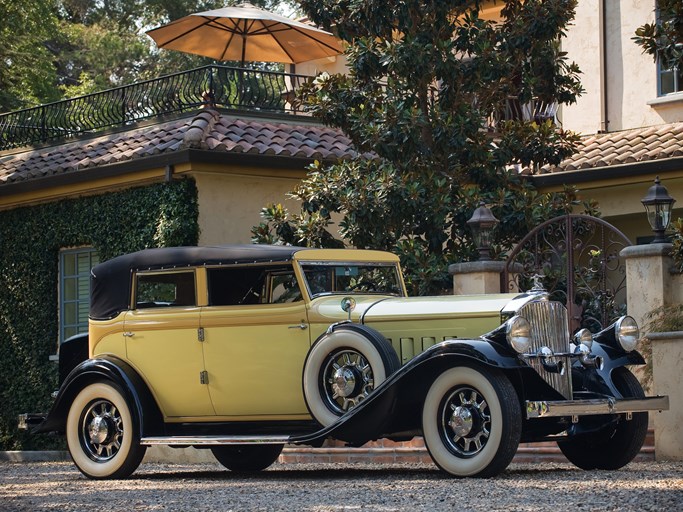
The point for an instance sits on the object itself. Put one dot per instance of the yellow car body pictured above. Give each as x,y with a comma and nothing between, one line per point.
243,349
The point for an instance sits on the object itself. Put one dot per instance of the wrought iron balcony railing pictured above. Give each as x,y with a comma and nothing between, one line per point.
515,110
226,87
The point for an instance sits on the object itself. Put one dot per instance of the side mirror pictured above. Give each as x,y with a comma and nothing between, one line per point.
348,304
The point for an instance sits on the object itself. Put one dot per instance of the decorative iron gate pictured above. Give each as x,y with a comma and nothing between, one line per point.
577,259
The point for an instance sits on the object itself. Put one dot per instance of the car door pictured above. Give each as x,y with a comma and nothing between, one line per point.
163,345
256,340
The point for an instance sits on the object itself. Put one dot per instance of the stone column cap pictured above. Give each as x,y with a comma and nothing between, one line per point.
471,267
646,251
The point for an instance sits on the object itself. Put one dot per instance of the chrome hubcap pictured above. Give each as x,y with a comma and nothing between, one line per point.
346,380
101,431
98,430
461,421
465,422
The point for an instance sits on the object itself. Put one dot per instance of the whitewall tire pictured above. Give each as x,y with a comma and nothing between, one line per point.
471,421
100,434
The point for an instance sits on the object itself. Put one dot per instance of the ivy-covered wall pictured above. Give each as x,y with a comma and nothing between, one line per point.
158,215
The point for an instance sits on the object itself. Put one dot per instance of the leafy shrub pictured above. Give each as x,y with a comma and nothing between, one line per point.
30,240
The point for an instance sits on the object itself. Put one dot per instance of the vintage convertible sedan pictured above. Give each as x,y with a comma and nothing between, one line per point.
243,349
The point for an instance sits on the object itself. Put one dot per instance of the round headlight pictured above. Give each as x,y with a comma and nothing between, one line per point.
583,337
627,333
518,333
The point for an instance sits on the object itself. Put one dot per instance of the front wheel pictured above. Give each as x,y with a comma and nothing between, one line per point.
245,458
472,421
100,434
617,445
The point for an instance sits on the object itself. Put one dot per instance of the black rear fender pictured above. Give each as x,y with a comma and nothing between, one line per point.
71,353
144,408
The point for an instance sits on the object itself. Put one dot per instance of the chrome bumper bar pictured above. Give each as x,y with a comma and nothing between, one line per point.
556,408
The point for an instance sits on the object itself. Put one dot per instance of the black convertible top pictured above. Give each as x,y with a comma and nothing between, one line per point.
110,281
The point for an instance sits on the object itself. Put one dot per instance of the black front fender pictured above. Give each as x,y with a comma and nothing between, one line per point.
146,413
386,410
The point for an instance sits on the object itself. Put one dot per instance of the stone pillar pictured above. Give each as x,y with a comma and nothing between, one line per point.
650,284
648,278
476,277
667,354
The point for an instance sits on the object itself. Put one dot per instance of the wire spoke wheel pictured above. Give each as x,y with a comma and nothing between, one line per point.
101,433
346,379
466,421
472,421
101,430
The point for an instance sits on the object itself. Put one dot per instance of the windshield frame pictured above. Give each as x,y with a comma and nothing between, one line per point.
398,278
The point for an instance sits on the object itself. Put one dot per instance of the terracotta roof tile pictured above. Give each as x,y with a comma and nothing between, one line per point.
629,146
207,129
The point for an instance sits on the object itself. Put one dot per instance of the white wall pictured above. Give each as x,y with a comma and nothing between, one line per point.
631,76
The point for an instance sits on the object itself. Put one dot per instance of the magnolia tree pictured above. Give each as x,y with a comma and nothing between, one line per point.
444,108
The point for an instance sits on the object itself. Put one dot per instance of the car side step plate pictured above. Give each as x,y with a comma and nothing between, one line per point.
212,440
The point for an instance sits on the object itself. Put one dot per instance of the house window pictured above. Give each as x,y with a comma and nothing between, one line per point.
74,271
670,79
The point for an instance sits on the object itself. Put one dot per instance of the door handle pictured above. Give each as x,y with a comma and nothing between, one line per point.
128,334
301,326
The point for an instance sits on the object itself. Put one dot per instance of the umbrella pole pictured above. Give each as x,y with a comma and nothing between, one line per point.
240,76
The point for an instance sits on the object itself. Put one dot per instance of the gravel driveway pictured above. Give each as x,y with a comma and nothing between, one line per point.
332,487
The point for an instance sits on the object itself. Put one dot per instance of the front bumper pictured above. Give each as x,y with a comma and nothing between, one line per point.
594,406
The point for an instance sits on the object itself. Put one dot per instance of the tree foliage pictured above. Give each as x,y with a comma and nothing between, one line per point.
664,39
424,103
56,49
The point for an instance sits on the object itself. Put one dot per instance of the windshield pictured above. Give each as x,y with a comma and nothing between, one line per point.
334,277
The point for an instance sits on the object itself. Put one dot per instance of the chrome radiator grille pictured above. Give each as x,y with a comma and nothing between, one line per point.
550,328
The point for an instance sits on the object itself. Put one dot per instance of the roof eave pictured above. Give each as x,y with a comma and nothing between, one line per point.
160,161
611,172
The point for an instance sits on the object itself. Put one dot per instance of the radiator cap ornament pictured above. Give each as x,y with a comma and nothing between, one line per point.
538,283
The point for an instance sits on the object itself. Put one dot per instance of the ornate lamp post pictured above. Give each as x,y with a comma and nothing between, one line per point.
482,223
658,204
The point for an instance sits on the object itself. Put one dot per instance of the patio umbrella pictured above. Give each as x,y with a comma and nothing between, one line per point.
246,33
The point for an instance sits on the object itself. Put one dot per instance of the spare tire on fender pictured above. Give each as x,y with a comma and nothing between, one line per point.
343,367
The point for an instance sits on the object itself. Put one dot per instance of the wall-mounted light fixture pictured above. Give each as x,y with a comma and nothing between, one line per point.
658,204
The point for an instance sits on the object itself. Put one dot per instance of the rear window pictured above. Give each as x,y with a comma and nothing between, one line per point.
165,290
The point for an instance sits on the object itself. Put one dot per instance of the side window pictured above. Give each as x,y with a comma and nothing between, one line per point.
74,290
165,290
283,287
234,286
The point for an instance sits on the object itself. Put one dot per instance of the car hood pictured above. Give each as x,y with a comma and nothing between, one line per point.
372,309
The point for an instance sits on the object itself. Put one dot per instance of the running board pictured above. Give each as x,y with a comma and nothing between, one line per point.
212,440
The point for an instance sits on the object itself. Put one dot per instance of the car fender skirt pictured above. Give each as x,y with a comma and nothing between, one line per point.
142,404
395,405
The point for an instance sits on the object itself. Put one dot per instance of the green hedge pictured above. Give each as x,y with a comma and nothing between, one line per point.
164,214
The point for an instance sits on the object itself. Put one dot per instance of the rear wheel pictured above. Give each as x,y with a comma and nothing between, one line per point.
472,421
247,458
618,444
101,435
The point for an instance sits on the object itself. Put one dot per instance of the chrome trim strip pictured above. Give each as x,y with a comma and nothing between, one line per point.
556,408
212,440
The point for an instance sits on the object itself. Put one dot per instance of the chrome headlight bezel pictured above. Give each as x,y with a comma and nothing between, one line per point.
518,334
627,333
622,335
